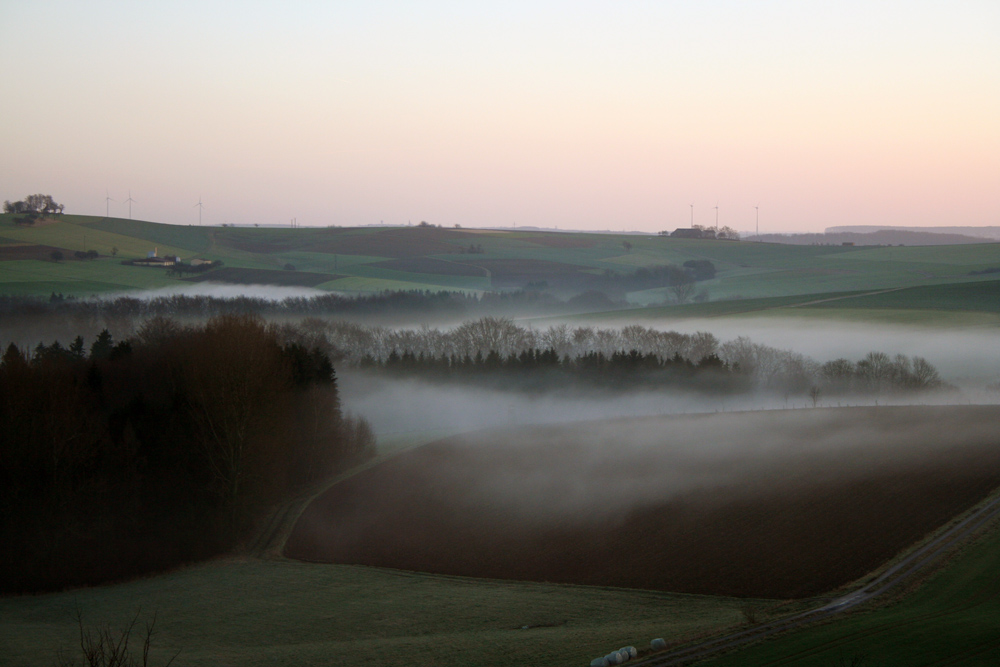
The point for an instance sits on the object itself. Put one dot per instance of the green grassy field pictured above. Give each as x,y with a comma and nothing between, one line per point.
372,259
950,620
253,612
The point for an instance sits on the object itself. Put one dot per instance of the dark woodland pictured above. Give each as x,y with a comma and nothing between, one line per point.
123,458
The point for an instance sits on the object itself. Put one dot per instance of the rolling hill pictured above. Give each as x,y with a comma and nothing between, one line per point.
373,259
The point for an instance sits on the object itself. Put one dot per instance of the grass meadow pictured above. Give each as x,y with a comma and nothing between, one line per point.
254,612
951,620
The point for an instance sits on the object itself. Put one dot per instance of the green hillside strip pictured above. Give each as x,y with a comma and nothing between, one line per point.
430,265
973,255
714,308
983,296
263,277
67,288
363,285
72,237
284,613
101,271
324,262
437,281
952,619
192,239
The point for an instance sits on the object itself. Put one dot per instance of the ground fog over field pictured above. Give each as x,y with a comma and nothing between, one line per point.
767,504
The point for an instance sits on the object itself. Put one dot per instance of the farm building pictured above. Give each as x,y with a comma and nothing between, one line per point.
693,233
153,259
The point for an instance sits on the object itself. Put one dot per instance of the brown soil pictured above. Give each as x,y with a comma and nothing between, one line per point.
779,505
264,277
397,242
11,252
559,240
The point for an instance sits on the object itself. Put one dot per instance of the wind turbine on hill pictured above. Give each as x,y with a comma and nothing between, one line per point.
129,201
199,206
716,219
757,209
107,204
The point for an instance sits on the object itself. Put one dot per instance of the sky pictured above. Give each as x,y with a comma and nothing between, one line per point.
582,115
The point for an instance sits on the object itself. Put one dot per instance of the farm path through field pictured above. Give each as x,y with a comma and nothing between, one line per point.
840,298
906,568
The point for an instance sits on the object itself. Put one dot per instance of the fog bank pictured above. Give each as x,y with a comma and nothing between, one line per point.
962,355
397,407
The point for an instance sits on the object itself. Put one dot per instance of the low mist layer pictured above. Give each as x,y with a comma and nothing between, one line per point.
768,504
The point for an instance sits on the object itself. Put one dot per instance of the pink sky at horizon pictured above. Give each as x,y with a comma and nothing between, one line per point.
582,115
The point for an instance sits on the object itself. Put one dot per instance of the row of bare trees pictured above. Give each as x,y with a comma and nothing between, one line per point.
494,334
767,368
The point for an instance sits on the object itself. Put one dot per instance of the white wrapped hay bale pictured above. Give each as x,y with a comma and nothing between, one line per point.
600,662
614,658
629,652
658,644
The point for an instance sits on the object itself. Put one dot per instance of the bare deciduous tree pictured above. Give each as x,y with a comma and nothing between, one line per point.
104,647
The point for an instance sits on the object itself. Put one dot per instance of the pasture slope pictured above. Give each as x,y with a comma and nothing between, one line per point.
952,619
275,613
360,260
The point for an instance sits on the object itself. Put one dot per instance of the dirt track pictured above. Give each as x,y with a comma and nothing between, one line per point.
781,505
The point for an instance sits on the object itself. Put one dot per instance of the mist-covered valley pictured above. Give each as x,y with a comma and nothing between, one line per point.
779,504
413,376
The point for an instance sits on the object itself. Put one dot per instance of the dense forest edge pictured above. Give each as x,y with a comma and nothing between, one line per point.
124,458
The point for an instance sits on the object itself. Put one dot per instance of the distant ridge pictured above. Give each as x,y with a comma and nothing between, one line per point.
992,233
881,237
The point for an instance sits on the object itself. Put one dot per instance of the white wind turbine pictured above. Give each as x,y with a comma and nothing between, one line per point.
129,201
199,206
107,204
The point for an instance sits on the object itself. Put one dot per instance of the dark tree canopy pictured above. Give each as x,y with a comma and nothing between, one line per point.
160,449
32,207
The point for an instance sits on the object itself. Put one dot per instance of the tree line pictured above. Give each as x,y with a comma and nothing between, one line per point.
124,457
633,349
29,319
181,305
542,370
323,321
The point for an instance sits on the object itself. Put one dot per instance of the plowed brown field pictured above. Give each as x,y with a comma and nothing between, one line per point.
764,504
25,251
